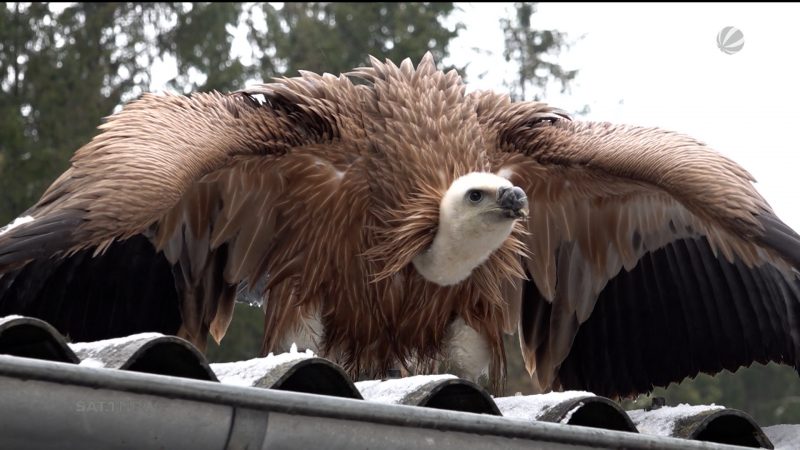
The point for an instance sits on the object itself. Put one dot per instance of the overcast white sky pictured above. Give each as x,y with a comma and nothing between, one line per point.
659,65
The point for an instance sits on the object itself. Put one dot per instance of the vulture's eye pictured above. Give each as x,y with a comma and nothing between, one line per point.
475,196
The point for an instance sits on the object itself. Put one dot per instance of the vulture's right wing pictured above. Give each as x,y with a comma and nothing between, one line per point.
174,204
652,257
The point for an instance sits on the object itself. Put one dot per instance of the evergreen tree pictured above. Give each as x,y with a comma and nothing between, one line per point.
532,49
68,67
201,42
63,71
335,37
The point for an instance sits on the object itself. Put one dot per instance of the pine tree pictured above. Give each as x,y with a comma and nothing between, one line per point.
532,49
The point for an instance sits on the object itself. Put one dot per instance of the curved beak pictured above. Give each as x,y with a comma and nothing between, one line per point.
513,202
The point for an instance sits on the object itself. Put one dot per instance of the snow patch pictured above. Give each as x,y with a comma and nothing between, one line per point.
91,362
247,373
661,421
17,222
531,407
569,413
395,390
784,437
90,349
10,318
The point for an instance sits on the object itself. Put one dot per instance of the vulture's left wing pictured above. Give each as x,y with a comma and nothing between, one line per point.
652,257
166,211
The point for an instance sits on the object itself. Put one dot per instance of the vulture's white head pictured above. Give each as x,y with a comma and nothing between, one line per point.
476,215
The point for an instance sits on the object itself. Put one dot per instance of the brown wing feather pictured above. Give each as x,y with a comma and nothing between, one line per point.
602,197
196,175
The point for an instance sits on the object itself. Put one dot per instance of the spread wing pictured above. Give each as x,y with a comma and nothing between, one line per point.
177,202
652,258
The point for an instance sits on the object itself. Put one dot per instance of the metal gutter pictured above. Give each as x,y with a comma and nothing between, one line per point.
45,404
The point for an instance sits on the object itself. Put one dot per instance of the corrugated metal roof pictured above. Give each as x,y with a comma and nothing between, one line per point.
154,391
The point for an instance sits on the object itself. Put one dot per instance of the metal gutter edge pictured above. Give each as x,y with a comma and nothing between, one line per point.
330,412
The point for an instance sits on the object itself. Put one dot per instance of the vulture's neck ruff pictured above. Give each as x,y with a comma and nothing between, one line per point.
476,216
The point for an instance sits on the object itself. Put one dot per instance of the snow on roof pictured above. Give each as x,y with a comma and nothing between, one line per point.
91,362
661,421
90,349
785,437
10,318
572,411
531,407
395,390
247,373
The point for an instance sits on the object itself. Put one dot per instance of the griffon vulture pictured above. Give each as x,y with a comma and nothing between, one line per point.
401,222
